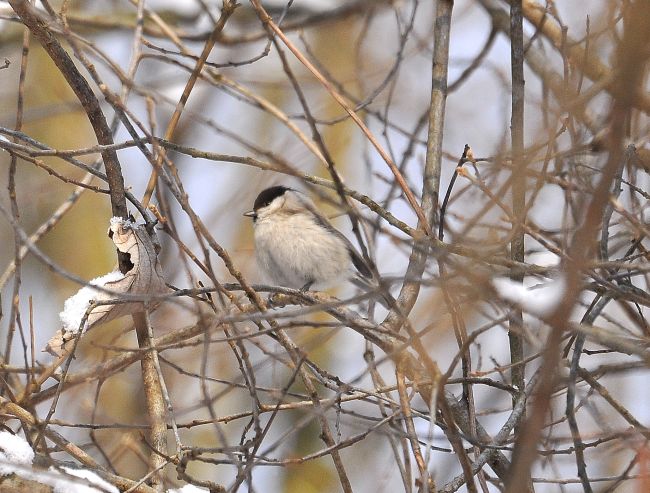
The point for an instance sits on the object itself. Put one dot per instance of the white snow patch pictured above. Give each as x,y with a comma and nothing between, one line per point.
187,7
62,484
120,221
188,488
543,259
75,307
13,450
538,300
16,456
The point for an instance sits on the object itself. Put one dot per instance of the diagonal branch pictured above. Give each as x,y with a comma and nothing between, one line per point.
266,19
629,76
226,11
39,27
431,183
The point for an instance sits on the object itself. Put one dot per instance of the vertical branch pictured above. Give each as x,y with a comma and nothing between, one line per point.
435,132
154,397
631,63
153,392
460,328
515,335
426,481
11,187
431,182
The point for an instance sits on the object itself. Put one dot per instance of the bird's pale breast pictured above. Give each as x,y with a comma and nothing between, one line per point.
294,250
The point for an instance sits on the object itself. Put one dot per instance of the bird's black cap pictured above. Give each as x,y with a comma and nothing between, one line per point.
268,195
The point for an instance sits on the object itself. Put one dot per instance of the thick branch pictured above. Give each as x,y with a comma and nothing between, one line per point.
431,183
40,28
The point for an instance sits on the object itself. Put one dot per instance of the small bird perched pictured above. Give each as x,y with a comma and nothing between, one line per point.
296,246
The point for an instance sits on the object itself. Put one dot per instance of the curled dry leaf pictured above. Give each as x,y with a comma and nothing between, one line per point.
144,278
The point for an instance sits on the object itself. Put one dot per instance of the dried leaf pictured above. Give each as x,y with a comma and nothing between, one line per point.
144,278
55,346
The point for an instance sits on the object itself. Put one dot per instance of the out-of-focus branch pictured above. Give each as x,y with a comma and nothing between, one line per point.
588,62
537,61
632,56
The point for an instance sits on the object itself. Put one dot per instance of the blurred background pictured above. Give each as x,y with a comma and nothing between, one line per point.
378,54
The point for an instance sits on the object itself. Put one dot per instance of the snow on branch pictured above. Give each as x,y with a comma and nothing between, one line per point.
102,299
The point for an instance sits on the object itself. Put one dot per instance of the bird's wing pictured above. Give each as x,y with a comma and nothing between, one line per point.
357,260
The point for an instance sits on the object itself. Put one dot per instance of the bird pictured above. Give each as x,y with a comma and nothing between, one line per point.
297,247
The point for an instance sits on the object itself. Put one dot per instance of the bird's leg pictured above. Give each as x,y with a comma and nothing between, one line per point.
307,285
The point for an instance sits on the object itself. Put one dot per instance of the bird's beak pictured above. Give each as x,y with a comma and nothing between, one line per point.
250,214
